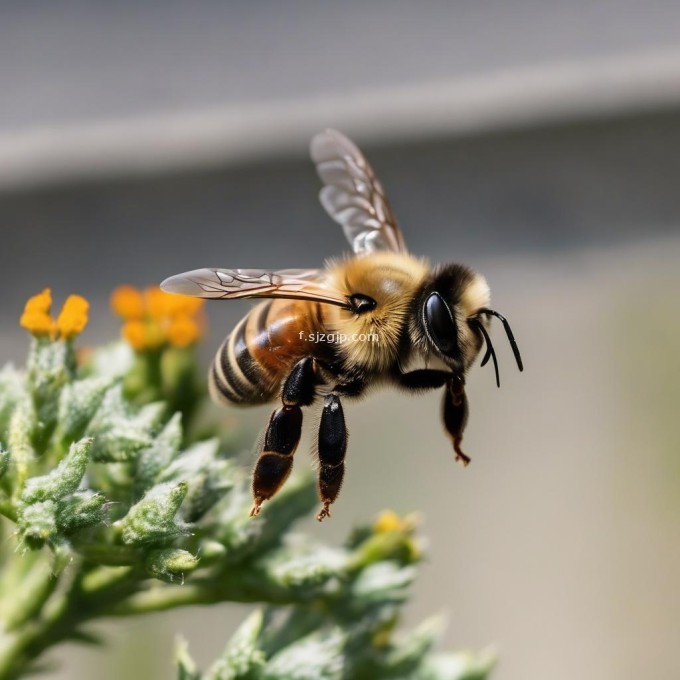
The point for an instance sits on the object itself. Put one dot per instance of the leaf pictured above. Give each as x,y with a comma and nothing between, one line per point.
11,392
242,659
156,458
64,479
79,510
186,668
458,666
383,582
78,403
119,433
319,656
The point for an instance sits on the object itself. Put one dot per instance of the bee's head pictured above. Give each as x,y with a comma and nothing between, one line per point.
452,317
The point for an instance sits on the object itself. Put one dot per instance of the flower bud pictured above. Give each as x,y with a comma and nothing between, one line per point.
37,523
82,509
171,564
153,519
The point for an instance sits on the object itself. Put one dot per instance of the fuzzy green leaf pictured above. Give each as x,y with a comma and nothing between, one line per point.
319,656
209,477
457,666
5,459
242,659
156,458
79,510
20,432
383,582
38,523
186,668
119,433
78,403
12,390
64,479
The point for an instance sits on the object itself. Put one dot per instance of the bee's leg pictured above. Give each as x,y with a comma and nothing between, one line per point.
332,448
455,414
283,433
422,379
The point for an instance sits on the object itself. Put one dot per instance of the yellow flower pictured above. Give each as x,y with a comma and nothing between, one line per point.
73,316
37,319
143,334
37,323
183,305
127,302
42,302
154,317
134,333
183,331
389,521
157,302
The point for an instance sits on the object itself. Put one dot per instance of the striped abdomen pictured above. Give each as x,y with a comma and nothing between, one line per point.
260,352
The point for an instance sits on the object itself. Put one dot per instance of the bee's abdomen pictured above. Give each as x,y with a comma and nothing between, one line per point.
259,353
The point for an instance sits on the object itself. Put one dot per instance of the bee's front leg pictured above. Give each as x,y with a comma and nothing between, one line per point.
455,414
283,434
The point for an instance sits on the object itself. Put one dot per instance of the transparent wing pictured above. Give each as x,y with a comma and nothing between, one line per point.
231,284
353,196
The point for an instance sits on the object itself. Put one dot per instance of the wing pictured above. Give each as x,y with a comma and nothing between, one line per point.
231,284
353,196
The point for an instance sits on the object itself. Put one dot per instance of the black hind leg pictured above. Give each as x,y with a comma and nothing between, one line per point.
283,434
332,449
455,415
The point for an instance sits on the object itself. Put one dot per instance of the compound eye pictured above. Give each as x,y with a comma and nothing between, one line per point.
441,325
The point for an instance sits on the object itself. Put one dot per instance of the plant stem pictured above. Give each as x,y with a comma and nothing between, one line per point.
59,620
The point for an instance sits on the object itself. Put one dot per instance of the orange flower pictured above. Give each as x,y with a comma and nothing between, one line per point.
42,302
127,302
157,302
183,331
37,323
183,305
133,332
143,335
37,320
154,317
73,316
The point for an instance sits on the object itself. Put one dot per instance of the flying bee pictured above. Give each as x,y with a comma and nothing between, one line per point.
332,333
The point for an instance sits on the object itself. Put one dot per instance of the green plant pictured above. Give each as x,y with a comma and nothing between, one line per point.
104,490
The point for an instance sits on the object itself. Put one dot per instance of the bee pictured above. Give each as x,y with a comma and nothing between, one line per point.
332,333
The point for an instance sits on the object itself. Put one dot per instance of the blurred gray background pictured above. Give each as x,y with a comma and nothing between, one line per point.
537,142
